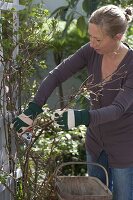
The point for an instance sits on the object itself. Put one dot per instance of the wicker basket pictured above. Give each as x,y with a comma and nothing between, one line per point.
81,187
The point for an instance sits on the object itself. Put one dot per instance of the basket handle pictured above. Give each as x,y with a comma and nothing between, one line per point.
80,163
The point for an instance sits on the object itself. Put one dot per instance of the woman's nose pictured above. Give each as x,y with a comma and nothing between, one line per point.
92,42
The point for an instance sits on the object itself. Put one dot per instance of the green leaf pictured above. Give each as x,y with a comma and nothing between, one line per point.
60,9
85,6
81,26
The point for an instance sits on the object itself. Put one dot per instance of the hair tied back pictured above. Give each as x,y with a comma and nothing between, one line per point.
129,14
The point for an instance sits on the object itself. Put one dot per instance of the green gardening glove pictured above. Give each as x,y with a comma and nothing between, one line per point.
25,120
70,118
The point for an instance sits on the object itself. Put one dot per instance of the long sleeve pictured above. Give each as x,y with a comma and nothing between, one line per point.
62,72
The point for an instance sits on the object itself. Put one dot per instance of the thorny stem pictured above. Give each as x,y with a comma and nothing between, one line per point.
84,86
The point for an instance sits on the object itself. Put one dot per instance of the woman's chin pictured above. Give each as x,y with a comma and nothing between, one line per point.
98,51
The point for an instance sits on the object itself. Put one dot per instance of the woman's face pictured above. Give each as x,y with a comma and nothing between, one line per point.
100,41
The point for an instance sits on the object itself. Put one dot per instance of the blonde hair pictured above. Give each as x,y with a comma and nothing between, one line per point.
112,19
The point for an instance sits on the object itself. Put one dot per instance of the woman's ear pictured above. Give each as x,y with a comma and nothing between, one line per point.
118,36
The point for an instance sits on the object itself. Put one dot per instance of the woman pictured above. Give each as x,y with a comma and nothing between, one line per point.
109,138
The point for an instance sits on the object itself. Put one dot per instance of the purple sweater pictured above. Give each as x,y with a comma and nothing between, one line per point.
111,116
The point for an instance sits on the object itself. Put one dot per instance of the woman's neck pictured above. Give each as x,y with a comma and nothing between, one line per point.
119,51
